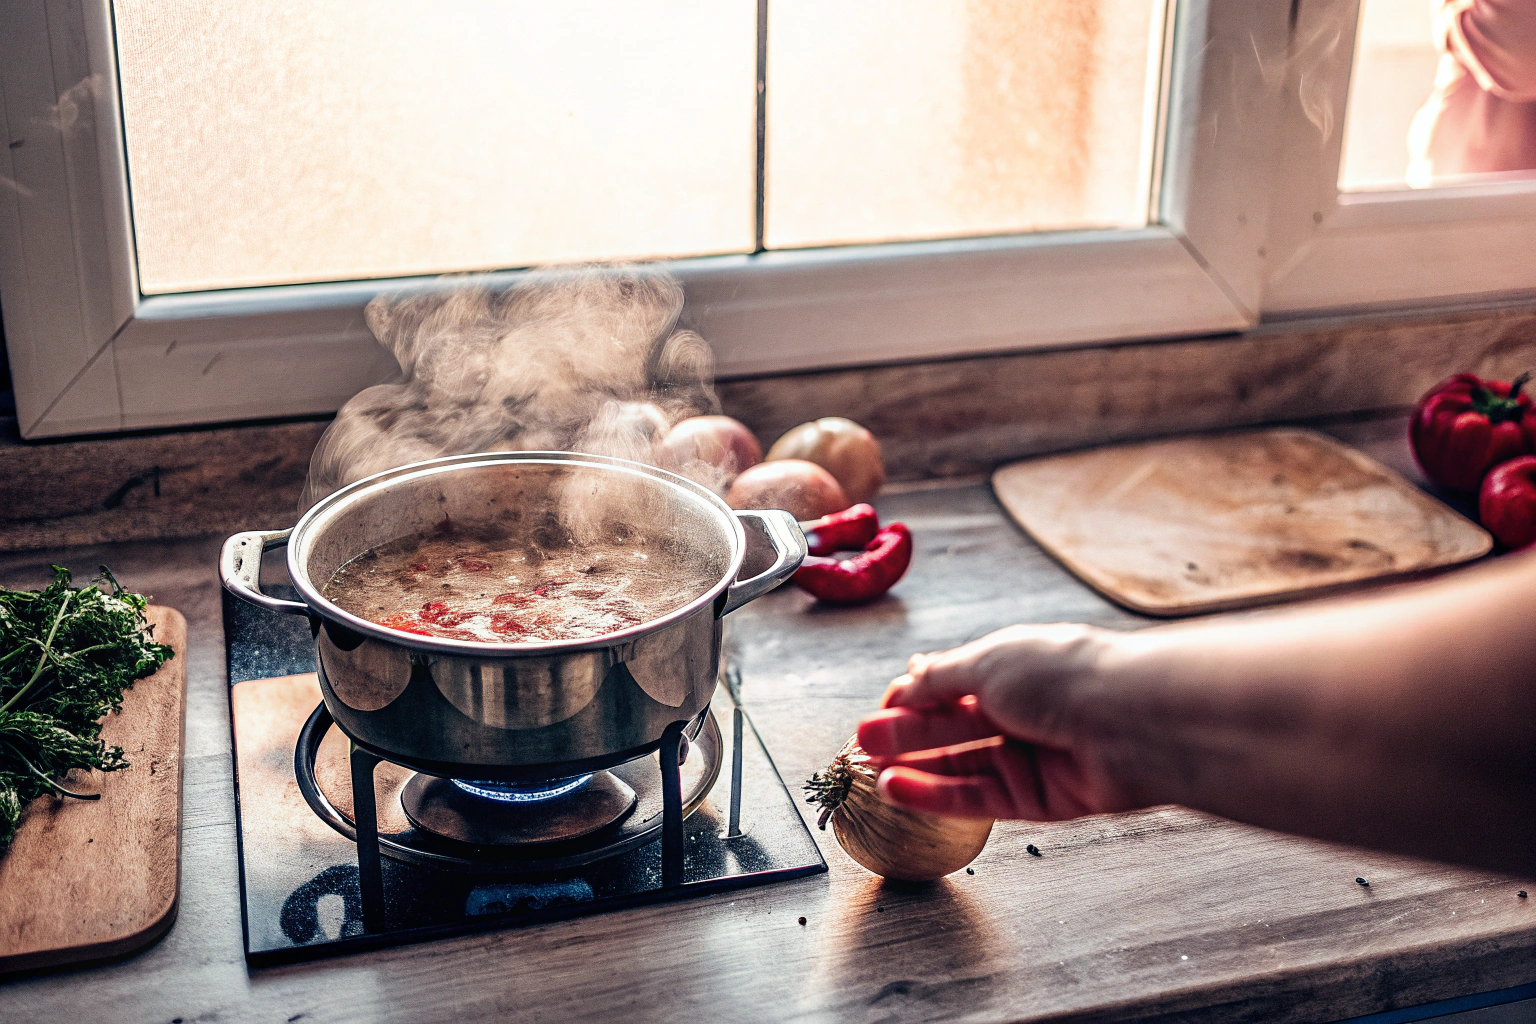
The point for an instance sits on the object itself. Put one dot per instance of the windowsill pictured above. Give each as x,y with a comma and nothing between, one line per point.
936,419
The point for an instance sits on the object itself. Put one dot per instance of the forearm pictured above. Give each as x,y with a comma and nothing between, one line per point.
1402,721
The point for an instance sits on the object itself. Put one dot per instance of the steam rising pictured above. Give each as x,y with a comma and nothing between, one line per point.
1311,55
587,360
70,115
75,102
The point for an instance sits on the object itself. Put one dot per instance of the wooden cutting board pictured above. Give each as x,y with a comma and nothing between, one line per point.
86,880
1214,522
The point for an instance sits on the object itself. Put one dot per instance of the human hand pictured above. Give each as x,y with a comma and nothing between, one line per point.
1003,727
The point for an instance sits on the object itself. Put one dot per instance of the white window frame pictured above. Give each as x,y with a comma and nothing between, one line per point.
1336,251
89,353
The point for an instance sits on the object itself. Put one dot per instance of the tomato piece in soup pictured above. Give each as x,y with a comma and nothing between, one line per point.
405,622
440,613
504,624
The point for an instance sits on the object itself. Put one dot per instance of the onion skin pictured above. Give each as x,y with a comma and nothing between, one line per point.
803,489
720,441
841,447
891,841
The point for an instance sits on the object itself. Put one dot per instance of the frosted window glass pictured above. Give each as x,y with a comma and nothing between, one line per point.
281,141
1393,73
908,119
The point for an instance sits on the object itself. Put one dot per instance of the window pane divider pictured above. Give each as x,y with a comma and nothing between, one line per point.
760,193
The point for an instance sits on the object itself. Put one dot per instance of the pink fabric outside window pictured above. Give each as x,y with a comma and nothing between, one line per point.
1481,117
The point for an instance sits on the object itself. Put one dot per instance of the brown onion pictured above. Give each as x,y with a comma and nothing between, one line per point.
719,441
911,846
803,489
842,448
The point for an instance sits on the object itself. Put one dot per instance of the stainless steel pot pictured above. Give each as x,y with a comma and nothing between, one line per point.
528,710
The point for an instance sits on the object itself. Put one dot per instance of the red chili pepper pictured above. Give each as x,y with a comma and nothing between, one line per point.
1465,426
863,577
1507,503
848,530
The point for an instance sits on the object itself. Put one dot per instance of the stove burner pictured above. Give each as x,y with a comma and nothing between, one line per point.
450,812
521,793
434,821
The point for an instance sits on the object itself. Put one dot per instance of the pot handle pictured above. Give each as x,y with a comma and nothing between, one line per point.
240,569
783,532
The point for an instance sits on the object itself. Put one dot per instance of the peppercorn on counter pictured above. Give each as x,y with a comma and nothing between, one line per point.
1162,914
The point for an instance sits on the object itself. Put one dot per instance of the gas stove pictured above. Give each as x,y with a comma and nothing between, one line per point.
323,872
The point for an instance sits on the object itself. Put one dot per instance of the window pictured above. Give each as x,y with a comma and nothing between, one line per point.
1416,86
390,141
1370,215
201,197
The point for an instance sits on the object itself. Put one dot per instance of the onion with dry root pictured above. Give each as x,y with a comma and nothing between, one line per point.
911,846
841,447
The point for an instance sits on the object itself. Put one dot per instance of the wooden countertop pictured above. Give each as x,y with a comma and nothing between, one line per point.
1160,914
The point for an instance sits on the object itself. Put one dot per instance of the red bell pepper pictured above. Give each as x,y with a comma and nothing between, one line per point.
1507,502
1465,426
863,577
848,530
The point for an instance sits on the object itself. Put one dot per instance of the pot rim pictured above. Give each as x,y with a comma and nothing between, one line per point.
327,507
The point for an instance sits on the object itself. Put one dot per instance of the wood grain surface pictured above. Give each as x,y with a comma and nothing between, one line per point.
1274,927
1221,521
85,880
142,487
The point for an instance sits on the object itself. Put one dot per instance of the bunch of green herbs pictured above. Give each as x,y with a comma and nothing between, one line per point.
66,656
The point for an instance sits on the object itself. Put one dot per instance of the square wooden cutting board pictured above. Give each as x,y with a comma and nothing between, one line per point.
1214,522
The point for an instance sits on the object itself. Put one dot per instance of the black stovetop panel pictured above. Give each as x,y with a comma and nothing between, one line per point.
299,878
259,644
